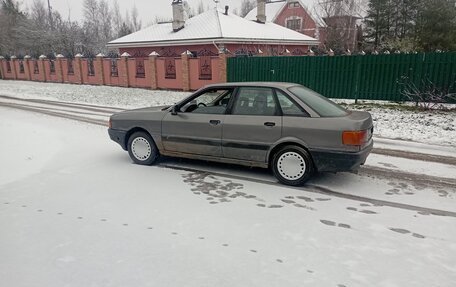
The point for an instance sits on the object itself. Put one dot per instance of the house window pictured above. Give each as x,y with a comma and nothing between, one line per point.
90,67
205,68
70,67
52,66
36,70
21,67
114,71
170,68
8,67
293,5
140,71
294,24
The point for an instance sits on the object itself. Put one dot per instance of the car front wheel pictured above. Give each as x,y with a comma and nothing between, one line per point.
142,149
292,165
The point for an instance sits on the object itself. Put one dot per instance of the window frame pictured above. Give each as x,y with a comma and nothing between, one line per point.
182,103
298,28
303,110
293,5
278,110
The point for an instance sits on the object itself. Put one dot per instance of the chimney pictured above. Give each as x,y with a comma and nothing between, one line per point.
178,15
261,11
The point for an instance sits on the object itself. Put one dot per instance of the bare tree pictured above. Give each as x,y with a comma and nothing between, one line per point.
135,22
117,19
105,22
340,16
246,7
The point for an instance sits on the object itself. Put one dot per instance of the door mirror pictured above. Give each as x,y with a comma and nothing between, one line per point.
174,110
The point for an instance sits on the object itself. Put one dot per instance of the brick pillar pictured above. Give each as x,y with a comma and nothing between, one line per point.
42,68
185,71
124,79
77,66
153,70
99,71
2,71
13,67
59,68
222,67
27,70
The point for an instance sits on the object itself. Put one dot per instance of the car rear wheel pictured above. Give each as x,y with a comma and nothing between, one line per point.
142,148
292,165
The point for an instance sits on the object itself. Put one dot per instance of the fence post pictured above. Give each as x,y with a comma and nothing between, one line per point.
2,73
123,70
27,70
13,67
357,77
78,68
153,70
185,71
59,68
43,68
222,67
99,71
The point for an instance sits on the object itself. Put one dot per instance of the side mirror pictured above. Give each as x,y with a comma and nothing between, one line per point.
174,110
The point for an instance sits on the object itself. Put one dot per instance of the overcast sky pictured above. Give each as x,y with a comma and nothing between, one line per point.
147,9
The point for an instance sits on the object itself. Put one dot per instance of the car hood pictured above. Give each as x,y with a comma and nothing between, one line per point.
148,109
150,113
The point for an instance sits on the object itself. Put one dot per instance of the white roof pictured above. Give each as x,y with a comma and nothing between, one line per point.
273,9
210,26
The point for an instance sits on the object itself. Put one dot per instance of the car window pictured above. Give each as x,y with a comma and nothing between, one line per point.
289,108
255,101
318,103
210,102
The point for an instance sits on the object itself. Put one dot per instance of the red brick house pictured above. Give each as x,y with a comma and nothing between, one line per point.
297,16
211,32
192,52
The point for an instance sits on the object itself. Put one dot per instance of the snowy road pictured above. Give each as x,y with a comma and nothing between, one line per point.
74,211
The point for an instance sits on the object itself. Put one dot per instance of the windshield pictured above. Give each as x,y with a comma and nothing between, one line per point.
320,104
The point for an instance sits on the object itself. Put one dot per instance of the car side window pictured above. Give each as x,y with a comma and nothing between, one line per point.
255,101
210,102
289,108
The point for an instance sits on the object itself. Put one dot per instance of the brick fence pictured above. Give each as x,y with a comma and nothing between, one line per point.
153,72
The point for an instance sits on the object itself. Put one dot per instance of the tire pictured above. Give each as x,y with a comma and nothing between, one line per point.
292,165
142,148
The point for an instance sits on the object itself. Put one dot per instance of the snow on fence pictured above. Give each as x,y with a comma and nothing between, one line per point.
153,72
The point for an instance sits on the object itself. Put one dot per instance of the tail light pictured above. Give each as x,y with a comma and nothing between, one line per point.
357,138
110,123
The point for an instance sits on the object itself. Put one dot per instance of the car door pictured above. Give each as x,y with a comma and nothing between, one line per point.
253,125
196,125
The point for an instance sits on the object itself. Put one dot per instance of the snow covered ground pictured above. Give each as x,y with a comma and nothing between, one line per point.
437,127
74,211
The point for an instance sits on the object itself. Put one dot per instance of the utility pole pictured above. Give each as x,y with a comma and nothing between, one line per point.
50,15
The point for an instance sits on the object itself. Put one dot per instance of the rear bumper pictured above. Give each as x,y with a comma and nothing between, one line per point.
119,137
334,161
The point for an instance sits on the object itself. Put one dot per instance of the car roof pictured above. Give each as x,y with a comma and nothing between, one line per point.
282,85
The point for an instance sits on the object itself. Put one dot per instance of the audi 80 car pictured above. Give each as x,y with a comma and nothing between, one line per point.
283,126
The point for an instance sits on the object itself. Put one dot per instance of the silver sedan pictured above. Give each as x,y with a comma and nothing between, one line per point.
283,126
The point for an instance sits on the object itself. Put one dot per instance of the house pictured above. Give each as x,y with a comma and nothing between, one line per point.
190,53
212,32
334,25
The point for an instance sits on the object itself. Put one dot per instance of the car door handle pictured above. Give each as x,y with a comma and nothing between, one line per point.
214,122
269,124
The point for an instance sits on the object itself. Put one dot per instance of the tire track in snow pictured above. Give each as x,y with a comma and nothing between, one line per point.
323,190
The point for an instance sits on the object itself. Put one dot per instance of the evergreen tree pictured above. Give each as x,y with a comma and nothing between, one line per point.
436,25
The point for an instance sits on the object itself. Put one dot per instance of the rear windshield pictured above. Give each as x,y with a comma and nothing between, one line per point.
320,104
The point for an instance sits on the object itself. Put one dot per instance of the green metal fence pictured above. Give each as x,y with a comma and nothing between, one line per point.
373,77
